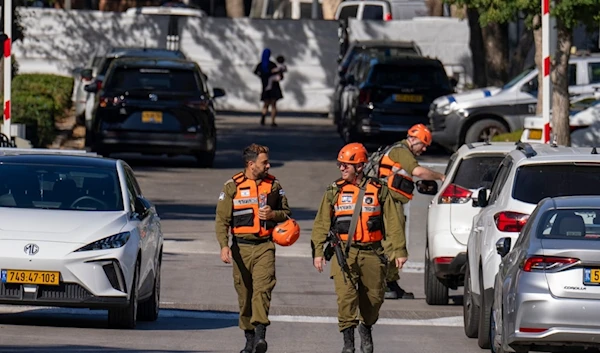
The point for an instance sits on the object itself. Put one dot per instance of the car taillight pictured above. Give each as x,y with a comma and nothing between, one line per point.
387,17
455,194
364,96
547,263
106,101
510,221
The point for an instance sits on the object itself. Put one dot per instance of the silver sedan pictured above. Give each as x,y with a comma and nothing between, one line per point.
547,290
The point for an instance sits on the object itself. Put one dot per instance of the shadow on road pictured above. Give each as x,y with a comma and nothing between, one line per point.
183,211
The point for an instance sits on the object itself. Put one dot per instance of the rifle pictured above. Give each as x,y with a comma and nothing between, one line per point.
334,245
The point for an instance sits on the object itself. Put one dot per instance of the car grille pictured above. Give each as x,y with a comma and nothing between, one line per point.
65,291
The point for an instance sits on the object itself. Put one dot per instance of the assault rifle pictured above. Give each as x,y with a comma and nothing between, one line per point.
334,245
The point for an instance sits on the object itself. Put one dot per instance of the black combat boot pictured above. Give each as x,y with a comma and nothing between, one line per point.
394,291
260,345
249,341
366,340
348,340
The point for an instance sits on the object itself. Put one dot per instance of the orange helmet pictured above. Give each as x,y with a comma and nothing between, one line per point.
353,153
421,132
286,233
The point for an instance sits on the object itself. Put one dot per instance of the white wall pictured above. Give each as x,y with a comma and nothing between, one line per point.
58,41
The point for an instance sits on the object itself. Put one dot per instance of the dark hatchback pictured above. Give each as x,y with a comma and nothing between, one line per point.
389,95
155,106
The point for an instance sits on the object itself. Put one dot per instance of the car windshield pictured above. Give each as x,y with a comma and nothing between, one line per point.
59,187
518,78
390,75
535,182
570,224
155,79
477,171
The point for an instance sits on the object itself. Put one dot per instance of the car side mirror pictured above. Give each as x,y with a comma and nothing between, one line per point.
503,246
482,198
142,207
427,187
218,92
92,87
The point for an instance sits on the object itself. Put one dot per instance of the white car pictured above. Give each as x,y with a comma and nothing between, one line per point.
450,216
75,231
526,175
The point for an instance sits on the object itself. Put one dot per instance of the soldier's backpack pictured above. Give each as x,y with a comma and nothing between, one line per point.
372,166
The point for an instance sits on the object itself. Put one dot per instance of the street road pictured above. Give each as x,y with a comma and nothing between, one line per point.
199,306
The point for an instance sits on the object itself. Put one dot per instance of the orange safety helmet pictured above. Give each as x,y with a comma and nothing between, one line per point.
353,153
421,132
286,233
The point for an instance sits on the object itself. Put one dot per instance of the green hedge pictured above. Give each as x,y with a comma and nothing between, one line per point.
37,101
509,137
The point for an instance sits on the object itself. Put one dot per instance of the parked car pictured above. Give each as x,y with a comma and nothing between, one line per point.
383,10
480,114
78,232
548,286
155,106
383,97
527,175
450,216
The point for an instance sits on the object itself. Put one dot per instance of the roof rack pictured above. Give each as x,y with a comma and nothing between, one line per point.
470,145
526,148
7,151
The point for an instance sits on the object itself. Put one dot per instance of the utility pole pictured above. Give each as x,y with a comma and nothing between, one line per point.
7,65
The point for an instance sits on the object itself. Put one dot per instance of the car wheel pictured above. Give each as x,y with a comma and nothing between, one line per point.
485,310
484,130
470,310
436,293
149,308
126,317
496,332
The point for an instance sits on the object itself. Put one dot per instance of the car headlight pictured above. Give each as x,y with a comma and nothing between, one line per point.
112,242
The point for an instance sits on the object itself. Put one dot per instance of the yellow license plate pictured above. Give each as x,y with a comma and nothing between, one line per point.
152,117
30,277
591,276
535,134
408,98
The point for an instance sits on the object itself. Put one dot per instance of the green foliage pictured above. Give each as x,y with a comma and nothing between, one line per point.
508,137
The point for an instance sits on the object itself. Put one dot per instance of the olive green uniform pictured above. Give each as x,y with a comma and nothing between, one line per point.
253,264
407,160
365,286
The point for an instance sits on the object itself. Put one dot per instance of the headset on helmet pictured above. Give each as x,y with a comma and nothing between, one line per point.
421,132
353,153
286,233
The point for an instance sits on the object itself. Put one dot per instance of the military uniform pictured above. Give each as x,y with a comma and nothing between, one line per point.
404,156
252,250
365,287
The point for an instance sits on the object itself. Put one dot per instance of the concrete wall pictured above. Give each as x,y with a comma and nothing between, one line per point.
58,41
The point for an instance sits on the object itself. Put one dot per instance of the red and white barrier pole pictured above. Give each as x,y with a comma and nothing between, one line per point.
546,105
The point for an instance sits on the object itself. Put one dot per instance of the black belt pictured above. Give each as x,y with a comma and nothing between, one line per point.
366,246
250,241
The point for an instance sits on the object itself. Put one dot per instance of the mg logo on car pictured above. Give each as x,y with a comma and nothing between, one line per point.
31,249
153,97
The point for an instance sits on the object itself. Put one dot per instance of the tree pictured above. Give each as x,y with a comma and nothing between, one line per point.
235,8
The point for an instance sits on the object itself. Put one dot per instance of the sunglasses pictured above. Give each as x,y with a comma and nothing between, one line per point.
345,165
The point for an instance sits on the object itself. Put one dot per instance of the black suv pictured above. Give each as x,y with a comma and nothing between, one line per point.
155,106
384,96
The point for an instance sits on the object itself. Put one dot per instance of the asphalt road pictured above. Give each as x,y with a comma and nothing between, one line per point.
199,306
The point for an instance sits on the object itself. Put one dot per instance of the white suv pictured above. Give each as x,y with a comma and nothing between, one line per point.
525,176
450,216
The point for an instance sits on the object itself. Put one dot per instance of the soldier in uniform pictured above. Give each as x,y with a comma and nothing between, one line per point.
361,284
396,169
251,204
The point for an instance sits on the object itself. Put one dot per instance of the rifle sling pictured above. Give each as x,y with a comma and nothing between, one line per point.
354,221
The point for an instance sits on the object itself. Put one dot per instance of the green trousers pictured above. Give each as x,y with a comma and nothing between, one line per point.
254,280
392,274
362,294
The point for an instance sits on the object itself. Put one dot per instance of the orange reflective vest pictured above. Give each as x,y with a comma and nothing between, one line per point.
369,227
246,203
396,178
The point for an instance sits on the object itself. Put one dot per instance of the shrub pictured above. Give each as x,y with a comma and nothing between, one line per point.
508,137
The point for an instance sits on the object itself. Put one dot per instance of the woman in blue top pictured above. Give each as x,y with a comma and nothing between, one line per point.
265,69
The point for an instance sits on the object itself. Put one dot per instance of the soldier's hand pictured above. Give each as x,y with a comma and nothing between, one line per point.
400,261
226,255
266,213
319,263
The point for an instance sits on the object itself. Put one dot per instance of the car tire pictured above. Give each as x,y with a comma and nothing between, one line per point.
484,129
470,310
485,310
436,293
149,308
125,317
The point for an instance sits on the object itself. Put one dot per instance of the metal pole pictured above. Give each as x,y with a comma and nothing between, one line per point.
315,10
7,65
546,105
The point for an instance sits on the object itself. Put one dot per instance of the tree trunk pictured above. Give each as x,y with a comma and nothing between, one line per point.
235,8
329,8
435,7
517,61
560,84
495,38
477,48
537,38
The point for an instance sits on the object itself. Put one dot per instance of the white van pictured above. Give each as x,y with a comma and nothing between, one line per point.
385,10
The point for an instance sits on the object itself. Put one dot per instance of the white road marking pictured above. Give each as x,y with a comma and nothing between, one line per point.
453,321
